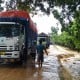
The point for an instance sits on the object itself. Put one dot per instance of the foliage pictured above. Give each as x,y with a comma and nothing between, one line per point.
63,10
11,5
71,36
68,7
54,30
1,8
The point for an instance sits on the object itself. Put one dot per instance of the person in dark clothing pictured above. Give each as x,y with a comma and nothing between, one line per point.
40,51
33,51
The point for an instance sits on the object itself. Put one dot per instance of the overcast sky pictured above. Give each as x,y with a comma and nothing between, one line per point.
44,23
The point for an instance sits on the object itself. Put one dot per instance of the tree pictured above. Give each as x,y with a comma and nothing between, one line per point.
11,5
68,8
54,30
1,8
19,4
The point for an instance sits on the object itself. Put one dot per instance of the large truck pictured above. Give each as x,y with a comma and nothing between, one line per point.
45,39
17,33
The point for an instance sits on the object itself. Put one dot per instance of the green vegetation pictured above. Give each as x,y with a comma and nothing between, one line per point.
69,9
70,37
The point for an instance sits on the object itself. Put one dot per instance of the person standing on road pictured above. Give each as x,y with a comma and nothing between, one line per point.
40,52
33,51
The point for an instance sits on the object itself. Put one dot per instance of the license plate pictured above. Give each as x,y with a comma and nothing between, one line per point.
2,53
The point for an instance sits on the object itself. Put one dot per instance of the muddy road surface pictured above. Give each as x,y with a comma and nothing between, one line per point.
49,70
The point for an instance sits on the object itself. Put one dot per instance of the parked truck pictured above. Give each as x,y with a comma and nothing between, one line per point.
45,39
17,32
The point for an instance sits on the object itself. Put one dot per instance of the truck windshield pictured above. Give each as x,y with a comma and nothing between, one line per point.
9,30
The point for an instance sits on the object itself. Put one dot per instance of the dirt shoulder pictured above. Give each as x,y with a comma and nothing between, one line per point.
70,64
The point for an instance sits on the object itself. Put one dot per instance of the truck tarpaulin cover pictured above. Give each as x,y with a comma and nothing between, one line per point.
18,14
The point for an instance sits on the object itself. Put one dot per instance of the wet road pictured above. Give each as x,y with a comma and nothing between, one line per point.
49,71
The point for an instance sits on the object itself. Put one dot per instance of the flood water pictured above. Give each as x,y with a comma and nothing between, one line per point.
49,71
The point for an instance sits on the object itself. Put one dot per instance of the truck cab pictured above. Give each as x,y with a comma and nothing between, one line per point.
11,40
17,32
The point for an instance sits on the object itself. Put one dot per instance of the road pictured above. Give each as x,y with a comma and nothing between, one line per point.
49,71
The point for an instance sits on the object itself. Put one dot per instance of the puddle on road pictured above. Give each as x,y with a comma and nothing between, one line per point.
49,70
31,72
64,74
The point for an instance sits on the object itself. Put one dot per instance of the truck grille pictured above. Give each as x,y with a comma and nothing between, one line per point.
5,47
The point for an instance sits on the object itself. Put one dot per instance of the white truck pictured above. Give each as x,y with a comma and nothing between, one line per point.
17,33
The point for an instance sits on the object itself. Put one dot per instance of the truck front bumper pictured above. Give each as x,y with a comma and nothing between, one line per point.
10,54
